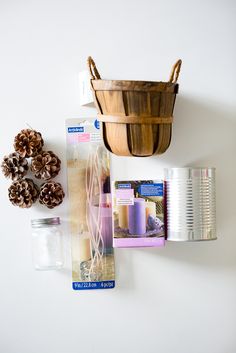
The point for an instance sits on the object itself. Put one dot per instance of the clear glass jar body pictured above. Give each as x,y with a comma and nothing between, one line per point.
47,247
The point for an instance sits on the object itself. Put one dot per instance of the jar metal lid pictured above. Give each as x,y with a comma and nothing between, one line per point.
40,222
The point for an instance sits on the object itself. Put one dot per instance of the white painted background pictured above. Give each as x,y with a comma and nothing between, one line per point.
181,299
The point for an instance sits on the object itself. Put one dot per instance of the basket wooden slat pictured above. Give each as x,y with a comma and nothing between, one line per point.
143,86
165,107
119,133
136,116
131,119
138,104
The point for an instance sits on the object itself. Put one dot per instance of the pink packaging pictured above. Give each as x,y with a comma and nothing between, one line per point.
138,213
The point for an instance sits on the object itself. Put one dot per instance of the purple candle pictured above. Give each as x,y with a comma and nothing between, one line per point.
137,217
106,219
107,227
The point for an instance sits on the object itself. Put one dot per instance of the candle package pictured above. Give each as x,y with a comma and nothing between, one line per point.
138,214
90,208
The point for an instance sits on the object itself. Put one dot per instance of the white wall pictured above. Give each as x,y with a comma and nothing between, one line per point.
179,299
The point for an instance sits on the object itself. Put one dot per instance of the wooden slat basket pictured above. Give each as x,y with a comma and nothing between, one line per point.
136,116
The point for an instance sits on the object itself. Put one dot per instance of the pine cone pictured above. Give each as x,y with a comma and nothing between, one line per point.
28,143
45,165
51,194
14,166
23,193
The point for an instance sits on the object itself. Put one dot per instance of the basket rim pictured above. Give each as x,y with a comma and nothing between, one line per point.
134,85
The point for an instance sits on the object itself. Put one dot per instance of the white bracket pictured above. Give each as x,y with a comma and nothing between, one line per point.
85,92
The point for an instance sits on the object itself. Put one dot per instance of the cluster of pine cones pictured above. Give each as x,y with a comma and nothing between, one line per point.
44,165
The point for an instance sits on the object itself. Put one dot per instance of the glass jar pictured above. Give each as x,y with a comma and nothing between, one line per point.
47,246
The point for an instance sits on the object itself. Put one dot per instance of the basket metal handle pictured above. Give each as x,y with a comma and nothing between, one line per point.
93,69
175,71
